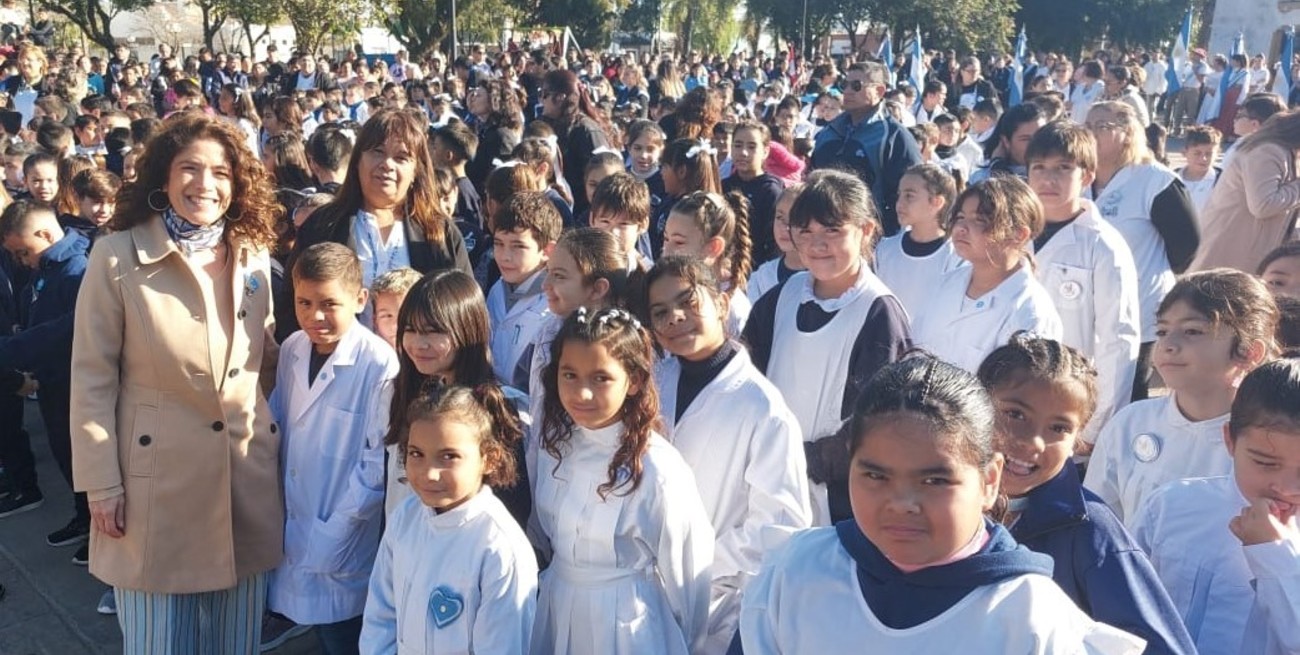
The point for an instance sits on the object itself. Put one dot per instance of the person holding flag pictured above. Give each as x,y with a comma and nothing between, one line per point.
1233,90
1186,74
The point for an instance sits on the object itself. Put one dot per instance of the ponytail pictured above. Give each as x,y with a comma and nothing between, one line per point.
741,248
506,433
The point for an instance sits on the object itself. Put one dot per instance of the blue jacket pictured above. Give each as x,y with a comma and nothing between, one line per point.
879,150
44,346
1098,563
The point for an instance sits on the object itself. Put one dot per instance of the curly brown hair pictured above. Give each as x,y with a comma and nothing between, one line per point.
483,408
253,210
504,103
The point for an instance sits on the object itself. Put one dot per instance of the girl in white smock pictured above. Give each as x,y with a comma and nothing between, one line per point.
1211,331
821,336
913,262
730,425
455,573
716,229
617,511
919,570
1228,548
777,270
978,307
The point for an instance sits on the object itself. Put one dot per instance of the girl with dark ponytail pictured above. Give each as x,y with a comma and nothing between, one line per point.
716,229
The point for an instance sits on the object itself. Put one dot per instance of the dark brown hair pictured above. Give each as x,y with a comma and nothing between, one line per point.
1067,140
1029,358
726,218
530,211
622,193
698,171
328,261
1230,299
483,408
1007,202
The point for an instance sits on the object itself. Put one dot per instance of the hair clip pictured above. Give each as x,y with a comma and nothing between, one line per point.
605,149
497,163
350,134
704,147
552,141
619,314
580,315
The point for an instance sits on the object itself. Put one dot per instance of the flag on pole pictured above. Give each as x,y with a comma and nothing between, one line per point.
917,74
1178,55
886,55
1284,81
1230,77
1017,91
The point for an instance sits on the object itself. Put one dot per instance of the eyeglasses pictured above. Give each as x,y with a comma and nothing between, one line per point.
1104,126
855,86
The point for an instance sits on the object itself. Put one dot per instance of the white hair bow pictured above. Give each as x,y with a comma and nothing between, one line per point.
552,141
604,149
497,163
704,147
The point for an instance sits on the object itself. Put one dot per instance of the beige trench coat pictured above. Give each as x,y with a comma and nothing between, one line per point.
160,414
1251,209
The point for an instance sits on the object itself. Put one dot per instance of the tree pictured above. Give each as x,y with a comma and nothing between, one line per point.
592,21
214,14
94,17
1073,26
263,13
313,20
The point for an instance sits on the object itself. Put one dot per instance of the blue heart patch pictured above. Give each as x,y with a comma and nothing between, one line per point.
446,606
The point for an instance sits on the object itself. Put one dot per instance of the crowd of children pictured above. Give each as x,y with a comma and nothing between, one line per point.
713,413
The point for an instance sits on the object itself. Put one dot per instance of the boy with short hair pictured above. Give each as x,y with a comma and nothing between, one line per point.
1199,175
453,146
328,151
90,140
387,293
954,147
16,155
41,177
31,233
524,231
621,206
96,194
984,120
1085,265
331,401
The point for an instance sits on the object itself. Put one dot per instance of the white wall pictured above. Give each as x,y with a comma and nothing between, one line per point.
1257,20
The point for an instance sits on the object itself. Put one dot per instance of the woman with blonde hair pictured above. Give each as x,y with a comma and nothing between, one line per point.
1150,207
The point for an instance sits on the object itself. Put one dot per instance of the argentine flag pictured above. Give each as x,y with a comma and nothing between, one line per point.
1178,56
1017,91
917,74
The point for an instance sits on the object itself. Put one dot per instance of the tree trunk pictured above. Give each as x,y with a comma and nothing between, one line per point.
688,29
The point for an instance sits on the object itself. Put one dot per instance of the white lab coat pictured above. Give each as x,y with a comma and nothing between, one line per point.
1126,204
964,336
746,450
464,581
914,279
1084,96
332,459
737,314
1088,271
765,278
807,600
629,573
1149,444
811,368
513,329
1218,585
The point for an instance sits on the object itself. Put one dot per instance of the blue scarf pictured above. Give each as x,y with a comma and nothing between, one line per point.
191,238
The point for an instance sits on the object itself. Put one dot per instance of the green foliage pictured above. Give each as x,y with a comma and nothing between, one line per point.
425,25
1075,26
253,12
592,21
965,25
93,17
313,20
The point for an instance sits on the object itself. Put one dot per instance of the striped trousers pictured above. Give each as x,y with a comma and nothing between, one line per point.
225,622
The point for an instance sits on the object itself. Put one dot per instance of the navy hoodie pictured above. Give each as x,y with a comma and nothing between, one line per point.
44,346
1098,564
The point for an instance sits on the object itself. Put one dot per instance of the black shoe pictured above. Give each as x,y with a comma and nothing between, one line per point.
20,502
6,485
82,556
75,532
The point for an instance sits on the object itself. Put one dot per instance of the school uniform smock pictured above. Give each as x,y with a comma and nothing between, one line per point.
746,450
463,581
737,312
629,574
1152,211
1274,624
831,591
766,277
820,353
913,278
1209,574
1148,444
332,457
963,331
1098,564
516,315
1088,271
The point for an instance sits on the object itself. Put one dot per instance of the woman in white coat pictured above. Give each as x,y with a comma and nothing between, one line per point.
731,426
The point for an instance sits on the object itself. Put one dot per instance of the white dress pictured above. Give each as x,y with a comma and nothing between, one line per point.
807,601
1148,444
458,582
629,574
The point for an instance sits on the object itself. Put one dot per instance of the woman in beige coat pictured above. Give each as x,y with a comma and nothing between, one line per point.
1252,209
172,438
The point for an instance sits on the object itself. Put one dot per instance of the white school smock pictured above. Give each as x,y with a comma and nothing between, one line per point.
914,279
332,462
807,600
764,279
1148,444
1088,271
737,314
1126,204
464,581
629,573
1209,575
810,369
1274,624
964,336
513,329
746,450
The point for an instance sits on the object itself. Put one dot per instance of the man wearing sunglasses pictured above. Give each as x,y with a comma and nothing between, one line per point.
866,141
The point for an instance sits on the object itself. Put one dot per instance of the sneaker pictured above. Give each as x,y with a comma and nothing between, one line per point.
276,630
107,604
82,556
23,501
75,532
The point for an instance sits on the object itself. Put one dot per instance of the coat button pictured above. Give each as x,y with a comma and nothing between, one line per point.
233,372
145,440
218,426
243,313
274,429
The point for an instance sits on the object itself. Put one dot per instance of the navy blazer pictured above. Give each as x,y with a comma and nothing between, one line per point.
44,346
1098,563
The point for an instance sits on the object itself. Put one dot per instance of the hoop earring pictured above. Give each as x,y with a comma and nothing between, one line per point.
149,201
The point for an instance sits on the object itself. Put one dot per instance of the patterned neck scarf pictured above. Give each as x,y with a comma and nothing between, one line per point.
191,238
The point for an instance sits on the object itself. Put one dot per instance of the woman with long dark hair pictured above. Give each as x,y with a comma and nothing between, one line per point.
495,107
580,129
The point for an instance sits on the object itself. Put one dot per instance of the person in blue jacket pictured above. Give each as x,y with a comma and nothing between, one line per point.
868,142
1045,393
31,233
18,489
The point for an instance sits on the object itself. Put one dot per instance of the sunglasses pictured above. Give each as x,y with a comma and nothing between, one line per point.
855,85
